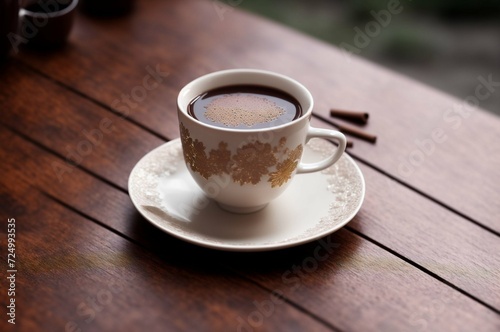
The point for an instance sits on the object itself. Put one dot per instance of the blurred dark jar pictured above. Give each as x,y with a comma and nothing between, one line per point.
9,14
107,8
47,23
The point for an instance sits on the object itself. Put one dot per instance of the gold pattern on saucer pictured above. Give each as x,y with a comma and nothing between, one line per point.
248,165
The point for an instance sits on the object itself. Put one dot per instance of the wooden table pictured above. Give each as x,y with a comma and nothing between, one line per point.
422,254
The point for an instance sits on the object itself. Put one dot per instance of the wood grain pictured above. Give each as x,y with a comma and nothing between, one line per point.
74,274
347,274
102,142
190,38
420,255
400,219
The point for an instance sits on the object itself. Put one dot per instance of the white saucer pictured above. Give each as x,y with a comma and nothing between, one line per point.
313,206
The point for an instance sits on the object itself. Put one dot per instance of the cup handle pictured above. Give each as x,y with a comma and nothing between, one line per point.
329,135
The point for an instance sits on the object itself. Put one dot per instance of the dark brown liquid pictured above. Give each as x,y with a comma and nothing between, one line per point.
245,107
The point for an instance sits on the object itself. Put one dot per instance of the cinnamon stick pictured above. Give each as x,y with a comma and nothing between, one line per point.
357,117
353,131
349,130
349,143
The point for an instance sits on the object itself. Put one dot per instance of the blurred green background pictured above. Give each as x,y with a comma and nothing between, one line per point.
446,44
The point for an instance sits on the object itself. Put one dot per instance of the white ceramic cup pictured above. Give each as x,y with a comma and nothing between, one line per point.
243,170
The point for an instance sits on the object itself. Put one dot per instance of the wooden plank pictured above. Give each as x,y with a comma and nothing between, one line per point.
74,275
99,141
429,235
364,288
399,219
426,139
355,279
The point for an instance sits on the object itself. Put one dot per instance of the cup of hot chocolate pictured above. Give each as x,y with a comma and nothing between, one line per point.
243,132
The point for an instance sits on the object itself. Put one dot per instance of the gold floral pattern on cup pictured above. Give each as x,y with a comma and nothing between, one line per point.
248,165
